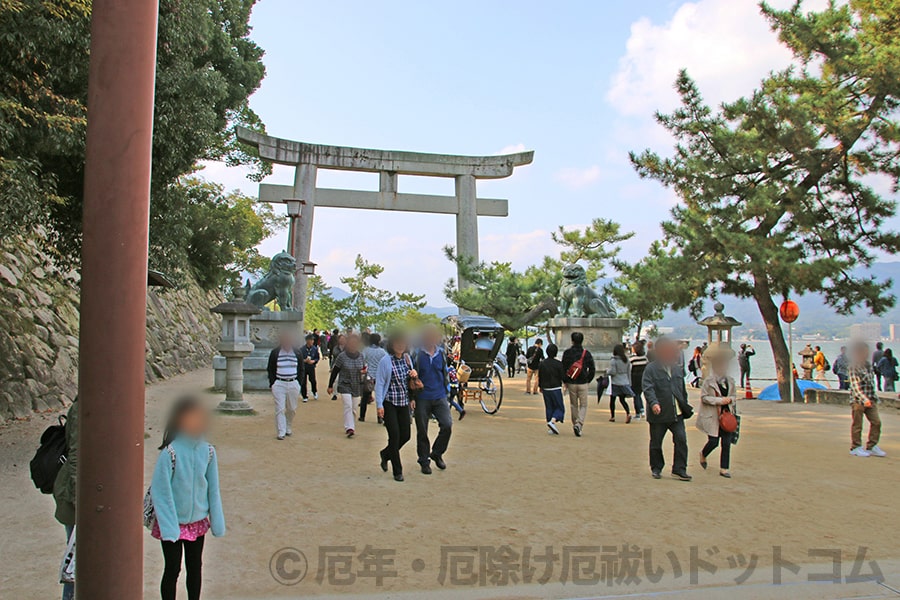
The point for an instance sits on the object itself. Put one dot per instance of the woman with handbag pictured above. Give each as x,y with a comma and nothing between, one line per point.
393,399
717,415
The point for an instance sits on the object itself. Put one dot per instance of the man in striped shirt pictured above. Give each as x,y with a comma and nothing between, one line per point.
284,380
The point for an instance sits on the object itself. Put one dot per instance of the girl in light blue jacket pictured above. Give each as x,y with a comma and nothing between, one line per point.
185,494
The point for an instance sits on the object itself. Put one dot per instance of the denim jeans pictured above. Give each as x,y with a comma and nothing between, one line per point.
68,588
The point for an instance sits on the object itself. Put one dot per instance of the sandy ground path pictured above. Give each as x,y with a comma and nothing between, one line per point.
510,489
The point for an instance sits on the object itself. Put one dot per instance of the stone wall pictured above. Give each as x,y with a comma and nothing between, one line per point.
842,397
39,330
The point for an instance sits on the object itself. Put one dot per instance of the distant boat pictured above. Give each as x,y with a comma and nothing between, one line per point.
772,392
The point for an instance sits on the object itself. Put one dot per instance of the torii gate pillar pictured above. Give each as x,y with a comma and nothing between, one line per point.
308,158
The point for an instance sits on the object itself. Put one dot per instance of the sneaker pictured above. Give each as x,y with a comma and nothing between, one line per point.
305,399
289,433
553,428
656,474
876,451
350,433
860,451
280,438
315,396
577,431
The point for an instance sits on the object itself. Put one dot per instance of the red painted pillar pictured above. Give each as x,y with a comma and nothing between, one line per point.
113,300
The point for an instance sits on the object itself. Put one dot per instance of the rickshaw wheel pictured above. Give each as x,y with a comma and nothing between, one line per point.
492,392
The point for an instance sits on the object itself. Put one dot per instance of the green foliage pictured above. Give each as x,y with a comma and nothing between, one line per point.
777,188
207,68
516,299
211,233
43,93
321,307
644,289
594,246
370,306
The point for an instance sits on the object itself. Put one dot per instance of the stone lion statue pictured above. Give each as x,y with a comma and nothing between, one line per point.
277,284
578,299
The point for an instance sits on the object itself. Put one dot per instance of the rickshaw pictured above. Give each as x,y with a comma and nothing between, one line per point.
475,355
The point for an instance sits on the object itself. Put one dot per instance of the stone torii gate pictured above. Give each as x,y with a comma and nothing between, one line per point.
308,158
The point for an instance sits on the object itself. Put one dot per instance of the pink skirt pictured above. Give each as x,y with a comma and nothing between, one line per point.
189,531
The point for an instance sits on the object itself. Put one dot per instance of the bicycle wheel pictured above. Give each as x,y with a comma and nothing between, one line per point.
492,392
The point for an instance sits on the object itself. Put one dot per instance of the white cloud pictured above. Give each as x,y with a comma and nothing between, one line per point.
512,149
577,178
726,45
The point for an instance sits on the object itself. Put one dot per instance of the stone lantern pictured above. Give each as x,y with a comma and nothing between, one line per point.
719,334
807,364
234,345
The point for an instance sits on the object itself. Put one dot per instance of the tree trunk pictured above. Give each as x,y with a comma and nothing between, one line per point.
769,312
640,326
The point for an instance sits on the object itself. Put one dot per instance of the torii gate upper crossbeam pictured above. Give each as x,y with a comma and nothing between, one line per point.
308,158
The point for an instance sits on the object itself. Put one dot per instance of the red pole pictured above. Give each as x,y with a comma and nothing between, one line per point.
113,299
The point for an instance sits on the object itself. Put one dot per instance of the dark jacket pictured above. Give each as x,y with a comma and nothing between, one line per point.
535,355
570,357
309,352
272,366
433,374
661,389
64,486
550,374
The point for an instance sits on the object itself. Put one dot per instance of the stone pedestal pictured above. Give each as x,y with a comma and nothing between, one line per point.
600,336
265,329
234,383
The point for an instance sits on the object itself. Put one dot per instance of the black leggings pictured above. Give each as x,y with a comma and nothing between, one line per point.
713,442
612,405
511,366
397,423
193,563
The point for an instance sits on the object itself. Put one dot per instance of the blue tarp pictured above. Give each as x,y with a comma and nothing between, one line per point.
771,392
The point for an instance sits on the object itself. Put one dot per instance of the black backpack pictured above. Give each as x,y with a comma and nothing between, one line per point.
50,457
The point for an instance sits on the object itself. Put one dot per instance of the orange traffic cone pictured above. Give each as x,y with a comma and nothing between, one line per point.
748,393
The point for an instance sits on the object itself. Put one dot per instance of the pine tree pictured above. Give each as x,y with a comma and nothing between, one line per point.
779,190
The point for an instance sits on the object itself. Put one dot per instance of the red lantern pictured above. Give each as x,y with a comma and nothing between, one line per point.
789,311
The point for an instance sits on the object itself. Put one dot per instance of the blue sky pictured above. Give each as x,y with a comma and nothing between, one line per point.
575,81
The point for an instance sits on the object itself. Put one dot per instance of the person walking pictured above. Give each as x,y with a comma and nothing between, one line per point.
821,364
513,350
550,382
695,366
187,502
619,372
578,372
392,401
373,353
666,397
348,370
718,393
887,368
841,369
333,340
284,371
876,358
309,357
863,404
431,401
639,362
534,355
64,486
743,357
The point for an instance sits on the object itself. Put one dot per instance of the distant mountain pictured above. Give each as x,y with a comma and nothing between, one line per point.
816,317
439,311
